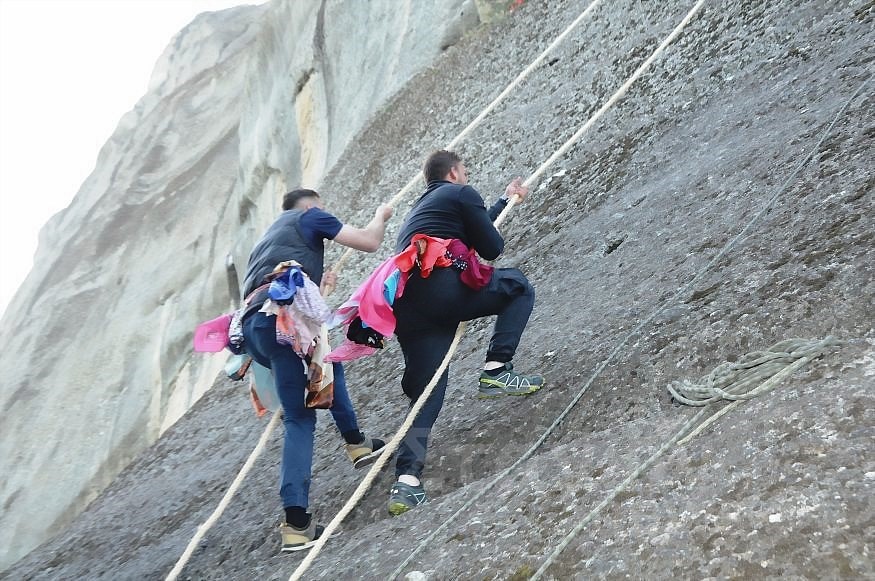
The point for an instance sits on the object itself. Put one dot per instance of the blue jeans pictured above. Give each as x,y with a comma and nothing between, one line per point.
259,332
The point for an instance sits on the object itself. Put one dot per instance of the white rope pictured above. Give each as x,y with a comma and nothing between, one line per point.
729,380
565,147
734,378
790,369
393,444
403,192
771,374
362,489
635,332
226,500
608,104
525,73
613,494
479,118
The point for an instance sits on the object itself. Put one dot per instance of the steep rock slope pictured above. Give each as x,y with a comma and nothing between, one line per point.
241,101
780,488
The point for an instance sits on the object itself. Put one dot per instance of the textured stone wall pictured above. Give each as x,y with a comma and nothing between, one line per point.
242,102
779,488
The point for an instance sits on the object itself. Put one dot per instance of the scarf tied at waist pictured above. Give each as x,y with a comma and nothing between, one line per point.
369,309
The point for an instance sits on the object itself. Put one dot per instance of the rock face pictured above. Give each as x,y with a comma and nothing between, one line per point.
99,334
699,152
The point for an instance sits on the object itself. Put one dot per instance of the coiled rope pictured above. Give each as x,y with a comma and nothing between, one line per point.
767,368
729,380
636,331
402,431
250,461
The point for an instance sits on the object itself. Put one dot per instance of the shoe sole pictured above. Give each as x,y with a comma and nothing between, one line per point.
295,548
307,545
398,508
496,392
368,459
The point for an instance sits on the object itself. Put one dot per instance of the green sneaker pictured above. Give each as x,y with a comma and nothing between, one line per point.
403,497
508,382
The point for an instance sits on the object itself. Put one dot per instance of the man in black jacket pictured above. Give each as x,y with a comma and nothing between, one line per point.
430,309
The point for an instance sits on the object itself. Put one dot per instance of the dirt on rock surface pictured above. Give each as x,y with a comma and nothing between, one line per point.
697,156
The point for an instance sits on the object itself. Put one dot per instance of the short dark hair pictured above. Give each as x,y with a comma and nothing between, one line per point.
439,164
293,197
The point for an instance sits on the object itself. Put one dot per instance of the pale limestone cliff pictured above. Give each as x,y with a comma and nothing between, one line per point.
242,102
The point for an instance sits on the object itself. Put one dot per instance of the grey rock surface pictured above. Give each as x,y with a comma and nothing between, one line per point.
99,335
781,487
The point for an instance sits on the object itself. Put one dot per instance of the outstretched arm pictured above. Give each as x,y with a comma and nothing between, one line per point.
369,238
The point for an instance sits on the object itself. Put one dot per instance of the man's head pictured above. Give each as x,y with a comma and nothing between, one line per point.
445,165
301,199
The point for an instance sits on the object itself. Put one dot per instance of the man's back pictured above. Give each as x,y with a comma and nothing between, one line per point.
448,210
283,241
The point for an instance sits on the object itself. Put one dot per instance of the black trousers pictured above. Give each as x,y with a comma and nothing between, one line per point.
427,316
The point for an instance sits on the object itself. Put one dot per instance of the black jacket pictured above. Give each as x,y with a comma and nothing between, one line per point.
448,210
